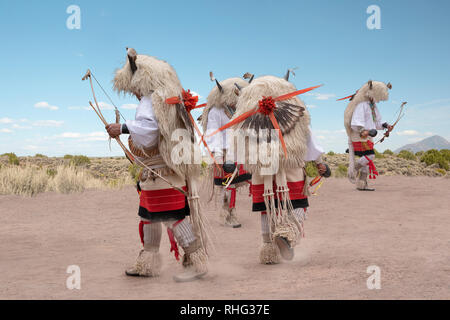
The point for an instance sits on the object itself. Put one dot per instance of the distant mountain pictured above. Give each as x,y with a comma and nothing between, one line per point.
434,142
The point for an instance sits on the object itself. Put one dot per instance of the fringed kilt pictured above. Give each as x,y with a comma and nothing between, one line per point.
296,195
159,203
220,178
363,148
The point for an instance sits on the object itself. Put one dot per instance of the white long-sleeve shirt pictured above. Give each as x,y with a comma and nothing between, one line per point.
216,119
315,151
144,129
362,117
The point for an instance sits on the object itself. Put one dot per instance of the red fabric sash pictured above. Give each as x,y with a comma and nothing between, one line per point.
162,200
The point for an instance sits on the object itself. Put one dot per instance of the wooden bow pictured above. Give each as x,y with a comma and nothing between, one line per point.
401,113
127,152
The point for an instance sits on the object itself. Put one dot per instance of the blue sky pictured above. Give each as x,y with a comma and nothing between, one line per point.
43,105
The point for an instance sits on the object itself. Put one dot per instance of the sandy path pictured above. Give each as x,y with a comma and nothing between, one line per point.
403,227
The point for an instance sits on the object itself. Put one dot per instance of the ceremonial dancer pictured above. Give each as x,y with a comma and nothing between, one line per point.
220,107
362,119
168,191
276,159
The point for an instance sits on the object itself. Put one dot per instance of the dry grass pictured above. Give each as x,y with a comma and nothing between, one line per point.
30,180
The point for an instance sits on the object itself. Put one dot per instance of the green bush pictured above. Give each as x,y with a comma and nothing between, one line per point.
341,171
78,161
68,156
433,156
134,171
39,155
419,154
52,172
406,154
331,153
311,169
388,152
378,155
12,158
446,154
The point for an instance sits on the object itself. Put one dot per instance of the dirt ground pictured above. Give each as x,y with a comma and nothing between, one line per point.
403,228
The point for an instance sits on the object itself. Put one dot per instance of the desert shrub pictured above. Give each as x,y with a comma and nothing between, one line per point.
406,154
39,155
52,172
331,153
341,171
446,154
443,172
78,161
12,158
378,155
419,154
134,170
25,181
68,156
388,152
433,156
70,179
311,169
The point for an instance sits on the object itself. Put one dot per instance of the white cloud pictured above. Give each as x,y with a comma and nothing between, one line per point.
129,106
93,136
6,130
196,94
428,134
30,147
69,135
18,126
79,108
415,139
45,105
105,106
6,120
321,96
48,123
408,133
430,103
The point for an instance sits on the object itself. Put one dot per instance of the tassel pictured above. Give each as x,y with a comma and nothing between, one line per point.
173,244
373,173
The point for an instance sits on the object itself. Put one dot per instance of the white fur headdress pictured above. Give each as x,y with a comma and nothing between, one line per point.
224,94
291,114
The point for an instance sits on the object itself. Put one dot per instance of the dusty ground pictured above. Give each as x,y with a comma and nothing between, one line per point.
403,227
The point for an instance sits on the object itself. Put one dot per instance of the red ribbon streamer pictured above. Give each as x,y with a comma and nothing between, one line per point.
173,244
266,107
373,173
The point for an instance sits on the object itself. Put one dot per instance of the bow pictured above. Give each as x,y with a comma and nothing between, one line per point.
127,152
401,114
98,111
